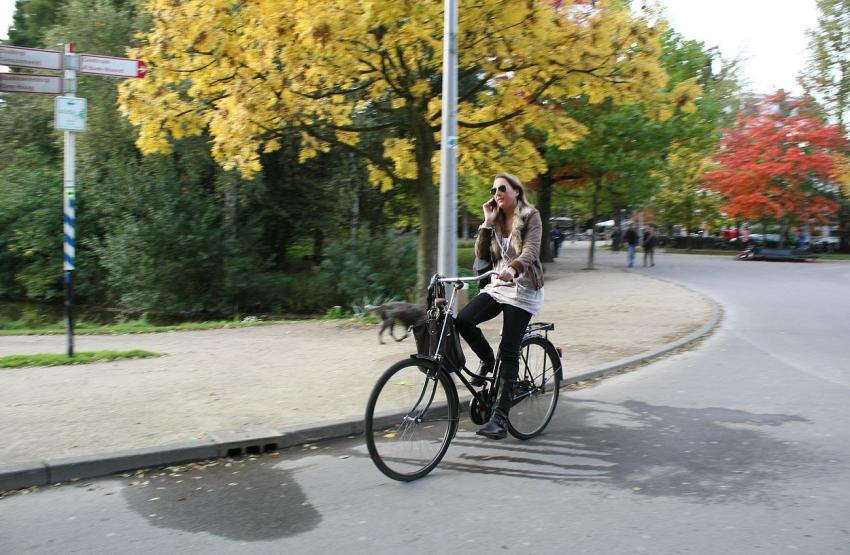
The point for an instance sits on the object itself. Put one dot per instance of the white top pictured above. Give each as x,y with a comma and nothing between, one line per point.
513,293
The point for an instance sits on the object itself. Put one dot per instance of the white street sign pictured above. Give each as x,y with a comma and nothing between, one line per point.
30,83
114,67
35,58
70,113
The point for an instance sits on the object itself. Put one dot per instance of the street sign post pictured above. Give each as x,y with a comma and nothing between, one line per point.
112,67
30,83
70,117
34,58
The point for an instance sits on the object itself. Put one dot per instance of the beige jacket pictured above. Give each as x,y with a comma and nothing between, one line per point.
524,249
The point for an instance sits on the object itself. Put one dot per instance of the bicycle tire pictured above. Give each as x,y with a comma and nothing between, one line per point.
537,389
411,418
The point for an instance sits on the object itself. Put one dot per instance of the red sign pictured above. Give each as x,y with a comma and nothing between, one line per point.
113,67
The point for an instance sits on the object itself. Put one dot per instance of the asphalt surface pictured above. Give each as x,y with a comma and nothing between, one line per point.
738,446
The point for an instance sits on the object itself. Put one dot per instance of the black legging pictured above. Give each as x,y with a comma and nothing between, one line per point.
515,321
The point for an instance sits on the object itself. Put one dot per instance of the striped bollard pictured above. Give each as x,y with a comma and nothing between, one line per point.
70,255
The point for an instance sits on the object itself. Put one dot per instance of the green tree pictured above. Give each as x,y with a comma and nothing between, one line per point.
827,74
31,19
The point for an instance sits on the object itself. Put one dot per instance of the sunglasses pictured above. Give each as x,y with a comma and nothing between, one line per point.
500,188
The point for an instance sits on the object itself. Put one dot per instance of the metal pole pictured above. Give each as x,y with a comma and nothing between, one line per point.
447,236
70,211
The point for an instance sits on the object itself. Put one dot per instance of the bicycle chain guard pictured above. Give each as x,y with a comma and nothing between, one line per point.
478,413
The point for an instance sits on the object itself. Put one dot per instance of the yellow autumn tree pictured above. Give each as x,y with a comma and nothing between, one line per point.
247,70
683,197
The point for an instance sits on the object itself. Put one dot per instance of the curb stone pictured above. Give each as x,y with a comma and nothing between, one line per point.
236,443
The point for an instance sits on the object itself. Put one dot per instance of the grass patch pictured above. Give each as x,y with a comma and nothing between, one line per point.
22,361
133,326
834,256
465,256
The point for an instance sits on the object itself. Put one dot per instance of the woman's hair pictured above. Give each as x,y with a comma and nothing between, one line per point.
516,184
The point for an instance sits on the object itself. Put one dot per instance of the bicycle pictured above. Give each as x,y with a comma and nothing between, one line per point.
413,411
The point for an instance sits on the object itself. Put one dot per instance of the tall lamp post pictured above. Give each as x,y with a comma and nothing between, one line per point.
447,234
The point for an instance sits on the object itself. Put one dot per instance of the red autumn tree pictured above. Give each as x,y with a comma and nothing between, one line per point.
780,163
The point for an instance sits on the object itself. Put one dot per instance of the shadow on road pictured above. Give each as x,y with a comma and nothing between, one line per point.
244,500
708,454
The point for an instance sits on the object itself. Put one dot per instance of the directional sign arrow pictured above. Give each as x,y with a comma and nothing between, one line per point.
36,58
113,67
30,83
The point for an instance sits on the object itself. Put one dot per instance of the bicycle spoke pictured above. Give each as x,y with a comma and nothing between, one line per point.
414,404
537,395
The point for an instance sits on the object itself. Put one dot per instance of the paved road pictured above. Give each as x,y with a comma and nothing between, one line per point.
740,446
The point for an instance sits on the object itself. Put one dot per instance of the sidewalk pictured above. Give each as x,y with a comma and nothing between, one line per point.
218,388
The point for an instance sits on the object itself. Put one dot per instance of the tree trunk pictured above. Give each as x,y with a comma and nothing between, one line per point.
426,255
597,193
355,191
427,195
544,206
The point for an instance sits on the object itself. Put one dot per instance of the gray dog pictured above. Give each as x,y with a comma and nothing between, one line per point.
408,314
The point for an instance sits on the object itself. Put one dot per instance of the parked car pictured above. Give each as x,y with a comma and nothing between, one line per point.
761,237
822,243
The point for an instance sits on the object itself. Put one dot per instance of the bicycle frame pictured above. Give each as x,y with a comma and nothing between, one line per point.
483,396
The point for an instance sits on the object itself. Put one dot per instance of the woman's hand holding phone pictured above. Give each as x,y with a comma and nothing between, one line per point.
490,211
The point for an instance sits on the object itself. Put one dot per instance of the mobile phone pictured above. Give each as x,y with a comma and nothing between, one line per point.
492,204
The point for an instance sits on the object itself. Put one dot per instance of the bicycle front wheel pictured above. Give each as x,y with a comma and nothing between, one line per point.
411,418
536,391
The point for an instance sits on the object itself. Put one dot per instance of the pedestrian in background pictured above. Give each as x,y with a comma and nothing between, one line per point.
631,240
616,238
557,235
649,245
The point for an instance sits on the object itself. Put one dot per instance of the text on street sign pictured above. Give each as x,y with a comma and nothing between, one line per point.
70,113
30,83
35,58
113,67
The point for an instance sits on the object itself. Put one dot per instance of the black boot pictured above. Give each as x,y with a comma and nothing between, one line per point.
483,369
497,427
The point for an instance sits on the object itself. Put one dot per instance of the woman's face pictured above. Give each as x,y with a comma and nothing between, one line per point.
505,195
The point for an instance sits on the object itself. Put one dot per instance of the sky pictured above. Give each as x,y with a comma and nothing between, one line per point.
767,35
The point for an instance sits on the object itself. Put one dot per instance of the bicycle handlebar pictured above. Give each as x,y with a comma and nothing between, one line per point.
470,278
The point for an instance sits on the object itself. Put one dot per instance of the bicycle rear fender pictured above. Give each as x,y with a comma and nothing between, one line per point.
554,352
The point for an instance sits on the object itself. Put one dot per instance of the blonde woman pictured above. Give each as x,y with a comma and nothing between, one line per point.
510,238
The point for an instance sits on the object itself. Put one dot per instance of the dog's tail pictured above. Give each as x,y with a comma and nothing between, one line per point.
370,308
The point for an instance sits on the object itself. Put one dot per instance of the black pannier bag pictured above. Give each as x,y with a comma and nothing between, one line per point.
427,334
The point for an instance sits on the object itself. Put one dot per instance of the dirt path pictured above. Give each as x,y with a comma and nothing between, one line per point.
289,374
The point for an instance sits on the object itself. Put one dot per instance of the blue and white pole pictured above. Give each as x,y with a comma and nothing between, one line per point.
70,206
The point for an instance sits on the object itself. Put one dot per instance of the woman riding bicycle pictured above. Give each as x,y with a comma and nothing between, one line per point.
510,239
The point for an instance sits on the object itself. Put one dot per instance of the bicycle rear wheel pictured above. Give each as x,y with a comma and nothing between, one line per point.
537,388
411,417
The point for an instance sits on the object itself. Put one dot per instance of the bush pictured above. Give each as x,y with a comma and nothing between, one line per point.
369,267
